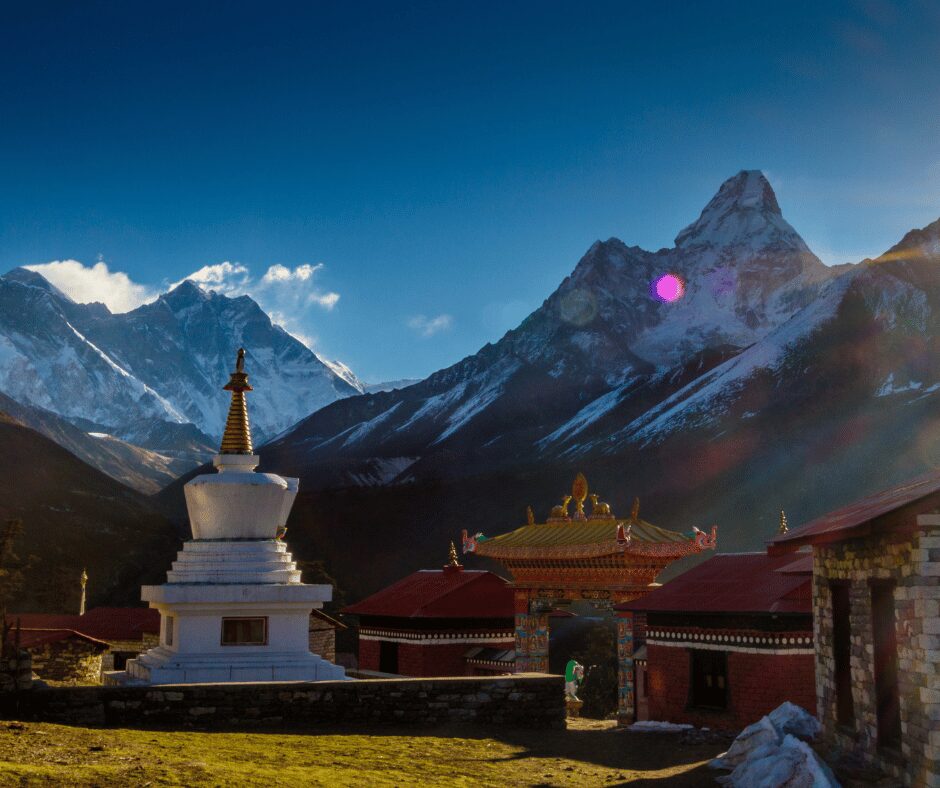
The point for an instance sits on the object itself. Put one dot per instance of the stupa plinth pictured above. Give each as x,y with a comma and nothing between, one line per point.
234,607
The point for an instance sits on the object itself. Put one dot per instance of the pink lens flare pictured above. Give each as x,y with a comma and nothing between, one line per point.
669,288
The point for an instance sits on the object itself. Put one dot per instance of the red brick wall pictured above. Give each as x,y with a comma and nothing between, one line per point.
757,683
761,682
368,654
414,660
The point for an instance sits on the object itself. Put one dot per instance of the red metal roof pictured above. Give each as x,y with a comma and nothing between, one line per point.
846,522
734,583
31,638
441,593
103,623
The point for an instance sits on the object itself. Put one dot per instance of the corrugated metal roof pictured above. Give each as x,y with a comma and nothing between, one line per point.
733,583
441,593
841,523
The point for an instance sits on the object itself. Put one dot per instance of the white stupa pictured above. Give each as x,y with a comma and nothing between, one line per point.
233,607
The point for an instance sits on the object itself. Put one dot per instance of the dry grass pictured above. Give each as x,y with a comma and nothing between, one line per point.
588,753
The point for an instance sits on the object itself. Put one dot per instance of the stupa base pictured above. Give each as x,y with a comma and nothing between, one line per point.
162,666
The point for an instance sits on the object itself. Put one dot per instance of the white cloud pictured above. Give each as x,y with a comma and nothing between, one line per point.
429,326
281,273
228,278
286,294
87,284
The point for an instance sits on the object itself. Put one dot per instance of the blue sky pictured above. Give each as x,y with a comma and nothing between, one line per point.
440,167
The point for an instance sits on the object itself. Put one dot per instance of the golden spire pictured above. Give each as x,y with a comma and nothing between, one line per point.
783,523
452,559
529,515
237,437
579,491
635,512
84,581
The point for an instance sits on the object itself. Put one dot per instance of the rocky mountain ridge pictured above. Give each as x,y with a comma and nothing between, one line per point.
160,365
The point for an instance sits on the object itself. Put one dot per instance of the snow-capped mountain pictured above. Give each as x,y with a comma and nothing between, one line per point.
773,383
600,338
162,363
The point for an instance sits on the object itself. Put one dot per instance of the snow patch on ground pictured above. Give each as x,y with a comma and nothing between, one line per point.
368,426
382,471
889,387
589,414
701,399
653,726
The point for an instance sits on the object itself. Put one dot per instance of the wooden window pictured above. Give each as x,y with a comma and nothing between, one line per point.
388,656
168,623
841,654
884,641
709,686
244,631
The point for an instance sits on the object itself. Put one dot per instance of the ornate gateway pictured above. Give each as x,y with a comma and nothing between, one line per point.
582,555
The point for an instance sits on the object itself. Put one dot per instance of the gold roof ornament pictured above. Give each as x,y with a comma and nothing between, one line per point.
579,491
784,527
452,558
237,436
635,511
529,515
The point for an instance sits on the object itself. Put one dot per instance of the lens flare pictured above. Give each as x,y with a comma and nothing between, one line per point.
669,288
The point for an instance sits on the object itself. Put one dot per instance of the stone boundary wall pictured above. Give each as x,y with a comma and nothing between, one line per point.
525,701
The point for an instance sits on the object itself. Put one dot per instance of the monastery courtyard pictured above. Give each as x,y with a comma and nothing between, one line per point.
589,752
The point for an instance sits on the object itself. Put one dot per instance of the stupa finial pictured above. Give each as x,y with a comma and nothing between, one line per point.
237,436
452,558
784,526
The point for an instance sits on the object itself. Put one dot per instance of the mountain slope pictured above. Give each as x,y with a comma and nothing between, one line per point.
158,364
141,469
76,517
773,384
600,338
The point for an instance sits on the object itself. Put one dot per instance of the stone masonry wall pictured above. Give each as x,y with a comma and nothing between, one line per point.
71,660
913,562
323,642
526,701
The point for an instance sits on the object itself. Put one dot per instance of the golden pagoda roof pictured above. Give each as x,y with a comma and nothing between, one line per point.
584,536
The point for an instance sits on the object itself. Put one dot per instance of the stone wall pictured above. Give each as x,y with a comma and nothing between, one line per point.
128,648
526,701
71,660
16,674
323,642
913,562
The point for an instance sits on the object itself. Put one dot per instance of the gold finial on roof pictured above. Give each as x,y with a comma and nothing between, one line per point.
784,527
84,581
635,512
452,559
237,436
529,515
579,491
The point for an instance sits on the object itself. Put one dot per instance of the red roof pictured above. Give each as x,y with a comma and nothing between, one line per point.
735,583
441,593
102,623
120,623
851,520
31,638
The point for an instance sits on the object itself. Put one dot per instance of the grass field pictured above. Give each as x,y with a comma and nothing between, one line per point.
588,753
